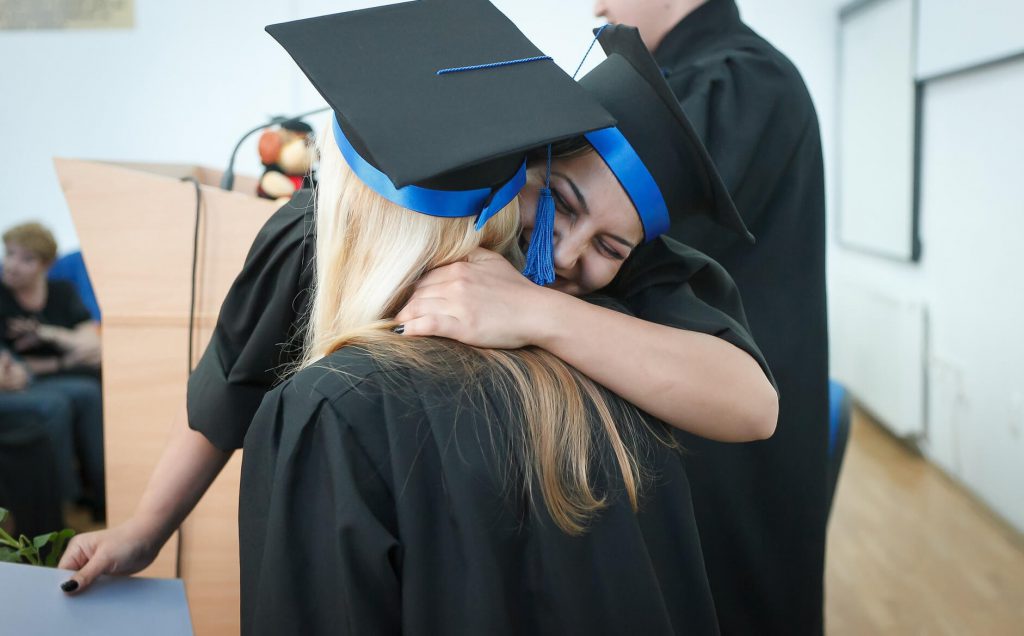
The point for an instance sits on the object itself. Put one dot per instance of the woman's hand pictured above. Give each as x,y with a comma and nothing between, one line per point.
482,302
123,549
87,354
24,332
13,375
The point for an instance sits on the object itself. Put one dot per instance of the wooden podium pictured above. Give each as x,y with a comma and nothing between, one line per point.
136,224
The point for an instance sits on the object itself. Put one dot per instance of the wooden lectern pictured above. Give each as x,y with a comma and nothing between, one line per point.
136,224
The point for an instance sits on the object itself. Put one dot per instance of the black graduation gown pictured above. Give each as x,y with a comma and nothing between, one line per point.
258,332
374,501
761,507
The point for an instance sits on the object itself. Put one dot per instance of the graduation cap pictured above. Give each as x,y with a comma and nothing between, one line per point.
437,102
654,151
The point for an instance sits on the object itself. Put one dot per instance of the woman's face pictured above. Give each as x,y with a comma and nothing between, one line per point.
22,267
596,225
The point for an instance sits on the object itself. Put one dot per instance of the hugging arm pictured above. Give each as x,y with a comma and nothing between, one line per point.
699,370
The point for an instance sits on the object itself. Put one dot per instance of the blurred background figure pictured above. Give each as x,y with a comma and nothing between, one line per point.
750,106
30,486
51,363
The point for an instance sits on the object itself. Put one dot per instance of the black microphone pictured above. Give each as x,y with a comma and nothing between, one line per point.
227,182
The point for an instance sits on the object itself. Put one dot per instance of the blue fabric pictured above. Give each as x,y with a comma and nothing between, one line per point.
444,203
635,179
540,267
836,404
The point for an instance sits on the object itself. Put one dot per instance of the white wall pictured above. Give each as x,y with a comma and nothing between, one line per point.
178,87
969,279
972,170
971,221
181,86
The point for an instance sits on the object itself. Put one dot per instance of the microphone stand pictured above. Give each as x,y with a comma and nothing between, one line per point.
227,182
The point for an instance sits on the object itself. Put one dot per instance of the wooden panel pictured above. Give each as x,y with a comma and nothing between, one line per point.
209,556
136,228
144,372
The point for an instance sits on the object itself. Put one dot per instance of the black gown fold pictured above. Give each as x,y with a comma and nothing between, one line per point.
762,507
259,328
376,502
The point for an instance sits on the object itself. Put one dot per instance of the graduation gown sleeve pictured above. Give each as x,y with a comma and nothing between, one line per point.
317,525
753,120
258,332
675,285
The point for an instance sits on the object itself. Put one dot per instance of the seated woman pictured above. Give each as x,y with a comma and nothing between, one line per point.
45,323
421,486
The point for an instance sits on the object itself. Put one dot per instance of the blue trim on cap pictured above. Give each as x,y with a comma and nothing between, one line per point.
477,67
636,180
444,203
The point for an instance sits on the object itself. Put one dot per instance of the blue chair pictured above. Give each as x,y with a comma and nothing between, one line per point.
840,409
71,268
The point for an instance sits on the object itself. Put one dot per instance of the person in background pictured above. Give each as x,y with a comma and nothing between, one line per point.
761,507
46,325
31,481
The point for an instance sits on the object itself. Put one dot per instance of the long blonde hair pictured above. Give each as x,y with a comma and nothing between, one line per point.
369,254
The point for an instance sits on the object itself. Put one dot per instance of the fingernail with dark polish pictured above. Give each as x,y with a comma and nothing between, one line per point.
69,586
400,329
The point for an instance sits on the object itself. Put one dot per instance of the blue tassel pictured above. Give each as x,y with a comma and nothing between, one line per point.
540,266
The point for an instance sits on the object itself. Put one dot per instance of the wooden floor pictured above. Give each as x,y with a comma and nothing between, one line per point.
910,552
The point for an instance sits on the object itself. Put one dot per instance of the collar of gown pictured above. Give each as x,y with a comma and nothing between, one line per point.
705,22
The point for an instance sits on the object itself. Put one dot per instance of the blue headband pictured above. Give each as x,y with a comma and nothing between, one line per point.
485,202
635,179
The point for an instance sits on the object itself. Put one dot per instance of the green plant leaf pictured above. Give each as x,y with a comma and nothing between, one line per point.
4,537
60,541
30,554
7,555
41,541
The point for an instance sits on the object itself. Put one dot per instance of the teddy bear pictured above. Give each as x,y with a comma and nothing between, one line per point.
287,154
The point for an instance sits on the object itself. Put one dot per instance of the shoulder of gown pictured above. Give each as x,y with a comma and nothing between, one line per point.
675,285
259,326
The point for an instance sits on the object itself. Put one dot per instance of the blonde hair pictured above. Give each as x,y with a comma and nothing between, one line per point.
369,254
35,238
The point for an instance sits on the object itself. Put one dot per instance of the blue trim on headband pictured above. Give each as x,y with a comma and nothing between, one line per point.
445,203
636,180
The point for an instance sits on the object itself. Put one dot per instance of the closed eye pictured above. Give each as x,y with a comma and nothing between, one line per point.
560,203
609,251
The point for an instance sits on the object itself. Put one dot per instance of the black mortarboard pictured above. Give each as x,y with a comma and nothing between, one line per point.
454,131
653,128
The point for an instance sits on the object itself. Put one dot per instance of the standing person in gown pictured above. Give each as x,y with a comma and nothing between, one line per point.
762,508
698,369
